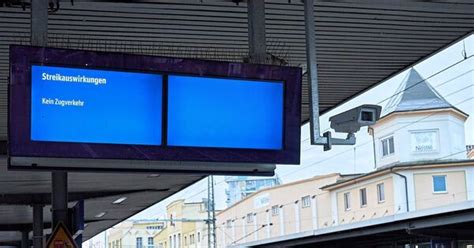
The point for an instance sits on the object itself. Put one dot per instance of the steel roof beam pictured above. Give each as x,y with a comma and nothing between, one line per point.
45,198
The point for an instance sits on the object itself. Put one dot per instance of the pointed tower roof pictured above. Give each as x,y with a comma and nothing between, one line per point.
415,93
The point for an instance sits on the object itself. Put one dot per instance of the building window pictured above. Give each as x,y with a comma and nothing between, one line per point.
191,239
228,223
306,201
275,210
424,141
150,242
250,218
380,192
347,201
199,237
388,146
185,240
251,185
363,197
439,184
139,242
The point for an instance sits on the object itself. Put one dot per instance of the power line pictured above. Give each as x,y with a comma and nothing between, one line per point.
367,142
357,146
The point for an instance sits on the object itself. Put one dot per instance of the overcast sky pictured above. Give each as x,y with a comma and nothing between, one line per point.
455,83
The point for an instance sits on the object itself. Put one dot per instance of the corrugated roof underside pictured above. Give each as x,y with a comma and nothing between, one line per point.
358,45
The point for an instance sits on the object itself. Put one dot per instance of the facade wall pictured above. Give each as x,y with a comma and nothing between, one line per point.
373,208
184,234
291,216
327,208
448,125
427,198
125,235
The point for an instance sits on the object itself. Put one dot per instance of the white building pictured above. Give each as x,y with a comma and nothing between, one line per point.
134,234
418,124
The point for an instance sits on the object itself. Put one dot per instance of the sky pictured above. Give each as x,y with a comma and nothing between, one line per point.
447,71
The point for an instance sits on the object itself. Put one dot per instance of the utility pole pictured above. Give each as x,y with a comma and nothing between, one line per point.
211,214
214,241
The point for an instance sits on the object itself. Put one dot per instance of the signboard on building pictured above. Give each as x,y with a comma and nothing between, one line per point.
424,141
135,112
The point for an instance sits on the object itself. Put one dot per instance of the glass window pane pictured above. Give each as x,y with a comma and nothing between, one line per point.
347,201
439,183
391,145
384,148
363,197
381,192
139,242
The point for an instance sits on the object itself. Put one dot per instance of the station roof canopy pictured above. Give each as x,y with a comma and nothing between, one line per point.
359,44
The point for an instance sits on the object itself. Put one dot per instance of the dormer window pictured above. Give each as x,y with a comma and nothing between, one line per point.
388,146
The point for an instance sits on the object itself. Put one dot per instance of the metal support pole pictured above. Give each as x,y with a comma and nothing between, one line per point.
256,29
209,235
59,198
25,239
38,226
213,214
39,37
39,22
312,72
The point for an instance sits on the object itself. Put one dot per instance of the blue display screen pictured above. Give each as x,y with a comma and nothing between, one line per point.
225,113
95,106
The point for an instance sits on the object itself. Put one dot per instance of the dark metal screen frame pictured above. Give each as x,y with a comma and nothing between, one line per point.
20,144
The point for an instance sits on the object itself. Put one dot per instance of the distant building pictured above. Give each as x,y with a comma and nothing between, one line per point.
186,226
421,165
270,212
239,187
134,234
334,200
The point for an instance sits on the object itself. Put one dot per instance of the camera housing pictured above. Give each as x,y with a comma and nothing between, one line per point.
352,120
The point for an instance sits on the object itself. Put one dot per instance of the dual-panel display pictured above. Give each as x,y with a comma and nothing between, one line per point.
116,107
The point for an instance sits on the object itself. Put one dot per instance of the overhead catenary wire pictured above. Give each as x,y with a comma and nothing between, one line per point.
365,143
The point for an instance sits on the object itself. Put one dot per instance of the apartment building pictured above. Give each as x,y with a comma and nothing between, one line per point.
401,188
186,226
134,234
284,209
420,163
239,187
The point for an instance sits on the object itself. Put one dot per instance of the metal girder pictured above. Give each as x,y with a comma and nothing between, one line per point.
29,226
45,198
10,243
20,227
443,233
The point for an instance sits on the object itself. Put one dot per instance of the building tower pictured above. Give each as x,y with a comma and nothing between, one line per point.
418,124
